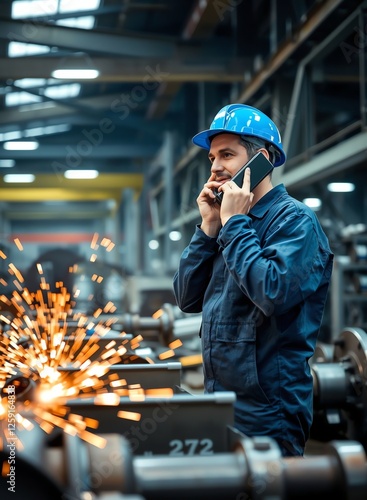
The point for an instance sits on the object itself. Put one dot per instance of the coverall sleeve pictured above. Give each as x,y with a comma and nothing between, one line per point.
194,271
284,269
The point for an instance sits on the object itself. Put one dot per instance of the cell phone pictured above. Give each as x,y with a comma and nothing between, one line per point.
260,168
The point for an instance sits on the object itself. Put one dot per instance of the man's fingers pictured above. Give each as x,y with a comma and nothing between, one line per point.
247,179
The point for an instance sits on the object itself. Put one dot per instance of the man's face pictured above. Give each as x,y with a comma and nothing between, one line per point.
227,156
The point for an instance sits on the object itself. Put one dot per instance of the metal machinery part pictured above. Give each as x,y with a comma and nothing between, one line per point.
340,389
176,425
323,352
148,376
172,324
73,469
64,467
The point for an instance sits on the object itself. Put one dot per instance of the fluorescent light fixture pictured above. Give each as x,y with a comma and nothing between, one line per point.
75,74
19,178
341,187
7,163
314,203
81,174
21,145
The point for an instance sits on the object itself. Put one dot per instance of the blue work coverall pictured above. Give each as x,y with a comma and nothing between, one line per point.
261,286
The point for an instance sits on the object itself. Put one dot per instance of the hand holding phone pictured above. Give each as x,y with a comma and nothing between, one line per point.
260,168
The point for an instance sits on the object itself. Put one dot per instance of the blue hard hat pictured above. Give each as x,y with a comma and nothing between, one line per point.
245,120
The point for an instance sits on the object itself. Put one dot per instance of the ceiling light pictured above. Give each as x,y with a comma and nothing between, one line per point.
81,174
65,91
314,203
75,74
7,163
175,235
21,145
153,244
19,178
341,187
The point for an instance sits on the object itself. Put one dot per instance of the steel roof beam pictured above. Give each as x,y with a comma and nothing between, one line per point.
101,107
318,16
82,150
201,23
150,72
31,31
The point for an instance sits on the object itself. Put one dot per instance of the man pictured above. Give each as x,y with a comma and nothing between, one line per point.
258,267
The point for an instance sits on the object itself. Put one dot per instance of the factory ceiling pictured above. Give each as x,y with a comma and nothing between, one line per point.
161,65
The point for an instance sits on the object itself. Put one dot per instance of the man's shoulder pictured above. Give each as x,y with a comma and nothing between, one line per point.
295,206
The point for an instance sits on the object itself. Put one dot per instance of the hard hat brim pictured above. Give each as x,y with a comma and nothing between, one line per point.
202,139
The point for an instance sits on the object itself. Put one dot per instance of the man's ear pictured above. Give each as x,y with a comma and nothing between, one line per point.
265,152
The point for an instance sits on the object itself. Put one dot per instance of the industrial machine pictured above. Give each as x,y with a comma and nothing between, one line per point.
340,388
166,325
148,448
104,422
73,469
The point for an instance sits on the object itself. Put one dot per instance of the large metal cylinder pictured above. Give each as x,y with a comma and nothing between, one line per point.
254,469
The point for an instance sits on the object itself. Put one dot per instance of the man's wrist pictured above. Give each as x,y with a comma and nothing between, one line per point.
210,229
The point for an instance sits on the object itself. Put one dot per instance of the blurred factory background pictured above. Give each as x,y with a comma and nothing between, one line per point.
99,100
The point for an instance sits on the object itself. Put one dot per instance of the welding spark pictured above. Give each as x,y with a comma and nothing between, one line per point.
49,355
39,344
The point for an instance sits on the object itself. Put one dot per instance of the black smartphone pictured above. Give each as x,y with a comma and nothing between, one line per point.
260,168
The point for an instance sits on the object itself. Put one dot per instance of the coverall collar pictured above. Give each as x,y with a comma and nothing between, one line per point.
267,201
